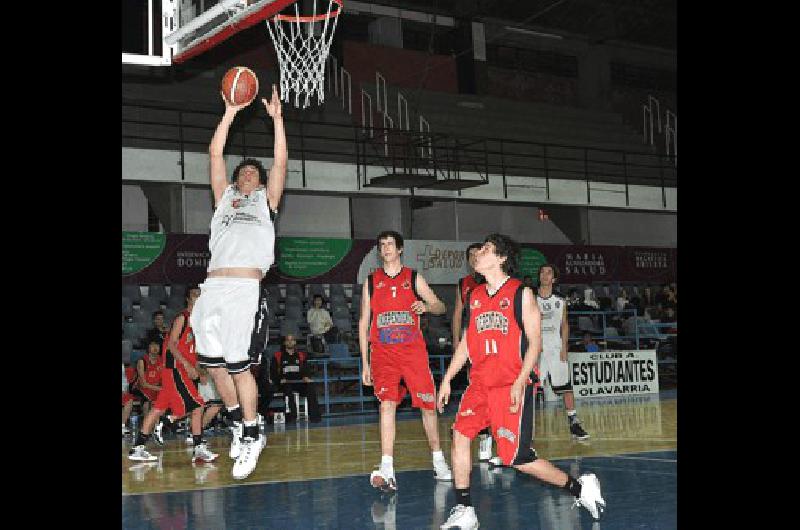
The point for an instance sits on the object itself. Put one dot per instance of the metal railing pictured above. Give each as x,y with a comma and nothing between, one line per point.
163,126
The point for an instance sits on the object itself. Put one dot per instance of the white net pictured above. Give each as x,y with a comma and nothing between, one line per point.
302,44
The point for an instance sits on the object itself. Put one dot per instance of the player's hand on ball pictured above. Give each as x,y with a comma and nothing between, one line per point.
273,106
230,107
444,396
418,307
366,376
517,390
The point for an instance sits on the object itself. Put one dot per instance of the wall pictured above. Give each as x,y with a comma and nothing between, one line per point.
608,227
314,216
134,208
476,221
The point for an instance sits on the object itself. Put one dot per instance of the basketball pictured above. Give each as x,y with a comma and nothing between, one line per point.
239,85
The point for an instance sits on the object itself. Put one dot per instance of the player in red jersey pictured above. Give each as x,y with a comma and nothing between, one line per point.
504,323
148,381
178,392
465,285
128,399
392,348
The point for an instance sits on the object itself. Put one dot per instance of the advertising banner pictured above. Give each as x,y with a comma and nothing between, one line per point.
614,373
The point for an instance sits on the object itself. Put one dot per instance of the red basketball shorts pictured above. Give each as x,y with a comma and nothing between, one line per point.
483,407
178,393
389,368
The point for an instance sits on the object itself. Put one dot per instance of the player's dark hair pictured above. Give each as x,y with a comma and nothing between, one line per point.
189,289
475,246
505,247
552,268
262,172
398,239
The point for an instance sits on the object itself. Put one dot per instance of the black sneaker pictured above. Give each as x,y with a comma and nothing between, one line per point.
577,431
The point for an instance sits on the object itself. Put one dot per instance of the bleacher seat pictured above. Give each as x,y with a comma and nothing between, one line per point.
176,303
169,315
316,289
337,299
274,292
149,304
177,289
127,348
133,332
131,292
290,326
343,324
143,318
294,289
127,307
337,289
157,291
340,311
294,312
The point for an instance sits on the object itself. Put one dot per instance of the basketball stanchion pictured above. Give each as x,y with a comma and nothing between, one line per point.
302,44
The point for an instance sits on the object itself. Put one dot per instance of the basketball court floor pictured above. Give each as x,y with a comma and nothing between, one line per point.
316,476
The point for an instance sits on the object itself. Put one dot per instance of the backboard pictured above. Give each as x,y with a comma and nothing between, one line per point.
177,30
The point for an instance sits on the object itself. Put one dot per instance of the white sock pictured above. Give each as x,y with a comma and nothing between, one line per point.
571,412
438,456
387,464
250,423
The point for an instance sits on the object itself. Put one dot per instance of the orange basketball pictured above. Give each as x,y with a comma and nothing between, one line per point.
239,85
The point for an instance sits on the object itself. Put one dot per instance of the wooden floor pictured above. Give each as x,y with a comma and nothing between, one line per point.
330,450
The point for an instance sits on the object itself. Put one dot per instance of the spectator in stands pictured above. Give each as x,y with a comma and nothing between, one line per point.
670,315
588,344
320,322
574,302
647,297
158,331
622,299
290,370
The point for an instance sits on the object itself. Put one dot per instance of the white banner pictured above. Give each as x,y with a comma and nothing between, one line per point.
614,373
439,262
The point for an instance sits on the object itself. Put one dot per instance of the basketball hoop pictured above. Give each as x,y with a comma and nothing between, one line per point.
302,44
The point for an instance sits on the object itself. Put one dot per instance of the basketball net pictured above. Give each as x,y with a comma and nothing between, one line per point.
302,44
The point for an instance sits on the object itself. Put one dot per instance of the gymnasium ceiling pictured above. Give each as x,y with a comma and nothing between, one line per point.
645,22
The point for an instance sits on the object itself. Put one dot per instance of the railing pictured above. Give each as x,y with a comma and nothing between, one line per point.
161,126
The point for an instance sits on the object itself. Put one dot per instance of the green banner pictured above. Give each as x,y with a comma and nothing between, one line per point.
529,262
306,257
140,249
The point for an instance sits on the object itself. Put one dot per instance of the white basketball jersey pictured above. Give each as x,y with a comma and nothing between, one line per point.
552,309
242,231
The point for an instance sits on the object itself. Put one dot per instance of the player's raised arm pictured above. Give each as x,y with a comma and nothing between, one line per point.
432,303
277,173
217,171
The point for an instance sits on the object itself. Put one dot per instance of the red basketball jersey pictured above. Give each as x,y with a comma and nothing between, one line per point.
185,345
393,324
465,285
152,370
496,341
131,375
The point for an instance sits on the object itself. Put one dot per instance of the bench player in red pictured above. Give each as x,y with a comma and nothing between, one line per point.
128,399
178,392
392,348
148,369
503,324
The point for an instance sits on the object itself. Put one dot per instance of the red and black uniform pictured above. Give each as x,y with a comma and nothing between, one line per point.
496,345
132,376
152,375
178,391
293,368
465,285
397,346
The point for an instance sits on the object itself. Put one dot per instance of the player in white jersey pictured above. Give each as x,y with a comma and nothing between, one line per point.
230,317
553,363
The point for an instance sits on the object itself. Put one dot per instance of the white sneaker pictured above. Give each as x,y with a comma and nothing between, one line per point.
158,433
462,517
236,443
441,471
591,498
250,449
189,438
485,448
383,480
202,453
140,454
